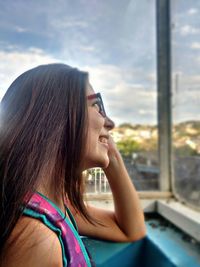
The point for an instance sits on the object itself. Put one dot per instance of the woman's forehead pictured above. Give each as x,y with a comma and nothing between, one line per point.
90,90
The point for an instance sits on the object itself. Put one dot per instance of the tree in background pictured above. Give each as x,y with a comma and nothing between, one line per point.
128,146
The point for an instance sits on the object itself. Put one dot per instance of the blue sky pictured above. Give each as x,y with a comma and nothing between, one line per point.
114,40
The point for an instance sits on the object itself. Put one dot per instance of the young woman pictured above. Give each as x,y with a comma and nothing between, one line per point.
53,127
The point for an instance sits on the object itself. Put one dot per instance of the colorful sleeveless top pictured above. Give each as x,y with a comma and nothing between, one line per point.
73,250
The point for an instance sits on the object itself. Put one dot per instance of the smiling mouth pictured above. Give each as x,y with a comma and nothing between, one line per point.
103,140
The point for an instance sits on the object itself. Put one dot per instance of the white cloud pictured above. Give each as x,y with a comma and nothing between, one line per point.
20,29
195,45
14,63
123,95
145,112
69,22
103,77
193,11
88,48
149,95
186,98
152,77
186,81
187,29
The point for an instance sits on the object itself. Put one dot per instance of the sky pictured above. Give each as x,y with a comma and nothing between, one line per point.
115,41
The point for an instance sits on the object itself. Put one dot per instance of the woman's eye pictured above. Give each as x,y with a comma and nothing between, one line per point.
96,105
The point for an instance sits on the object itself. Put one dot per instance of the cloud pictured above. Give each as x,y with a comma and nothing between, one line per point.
187,29
147,112
121,59
187,82
152,77
195,45
87,48
13,63
125,93
20,29
186,98
124,98
193,11
69,22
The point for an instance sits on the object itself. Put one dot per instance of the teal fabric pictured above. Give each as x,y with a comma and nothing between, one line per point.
72,218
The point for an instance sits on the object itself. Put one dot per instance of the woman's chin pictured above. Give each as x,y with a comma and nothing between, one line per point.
104,165
104,162
99,163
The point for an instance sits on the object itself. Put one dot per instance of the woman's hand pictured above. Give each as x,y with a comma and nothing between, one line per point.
126,222
113,152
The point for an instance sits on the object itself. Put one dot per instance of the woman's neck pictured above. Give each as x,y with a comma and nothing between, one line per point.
49,191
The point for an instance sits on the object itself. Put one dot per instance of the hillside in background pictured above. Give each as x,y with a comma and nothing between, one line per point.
138,138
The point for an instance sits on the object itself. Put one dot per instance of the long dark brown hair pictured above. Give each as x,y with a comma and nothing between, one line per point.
43,125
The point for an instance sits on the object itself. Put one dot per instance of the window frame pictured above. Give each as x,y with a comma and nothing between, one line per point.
164,93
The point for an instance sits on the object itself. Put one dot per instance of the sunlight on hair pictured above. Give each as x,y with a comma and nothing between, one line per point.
0,115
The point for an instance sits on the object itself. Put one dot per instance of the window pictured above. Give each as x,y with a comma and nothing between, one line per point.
115,41
124,71
186,99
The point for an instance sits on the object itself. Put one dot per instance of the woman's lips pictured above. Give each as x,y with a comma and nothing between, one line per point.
104,141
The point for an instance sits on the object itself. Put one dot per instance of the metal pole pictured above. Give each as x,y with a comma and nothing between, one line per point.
99,180
95,180
105,182
164,91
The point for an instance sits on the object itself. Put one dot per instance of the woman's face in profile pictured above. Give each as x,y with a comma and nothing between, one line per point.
97,138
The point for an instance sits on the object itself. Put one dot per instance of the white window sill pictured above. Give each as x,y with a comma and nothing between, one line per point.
180,215
162,203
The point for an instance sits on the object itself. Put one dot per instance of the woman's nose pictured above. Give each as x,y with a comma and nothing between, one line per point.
109,124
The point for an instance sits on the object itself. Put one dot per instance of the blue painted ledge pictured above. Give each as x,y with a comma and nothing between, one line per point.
164,246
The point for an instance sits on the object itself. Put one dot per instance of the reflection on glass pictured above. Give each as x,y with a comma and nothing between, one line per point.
186,100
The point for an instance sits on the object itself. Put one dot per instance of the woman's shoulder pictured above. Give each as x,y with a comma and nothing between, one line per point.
32,244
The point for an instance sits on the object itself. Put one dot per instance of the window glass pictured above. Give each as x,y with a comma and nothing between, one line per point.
186,99
126,75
